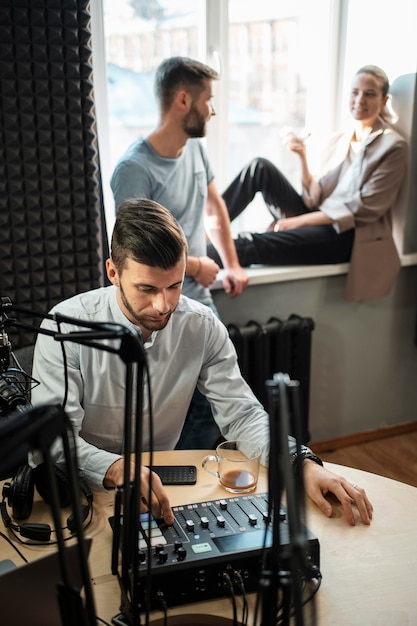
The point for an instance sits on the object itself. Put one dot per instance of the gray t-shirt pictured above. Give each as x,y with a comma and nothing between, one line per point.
179,184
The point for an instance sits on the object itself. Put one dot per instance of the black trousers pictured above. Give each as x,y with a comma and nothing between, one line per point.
261,175
308,245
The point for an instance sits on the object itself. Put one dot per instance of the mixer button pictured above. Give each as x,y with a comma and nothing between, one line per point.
181,553
154,541
163,557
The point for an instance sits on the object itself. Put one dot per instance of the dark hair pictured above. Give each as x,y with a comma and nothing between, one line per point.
378,73
147,233
175,73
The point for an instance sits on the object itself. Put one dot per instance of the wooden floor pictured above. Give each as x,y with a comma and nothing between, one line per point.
393,457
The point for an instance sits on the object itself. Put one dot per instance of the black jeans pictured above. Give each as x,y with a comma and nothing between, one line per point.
261,175
308,245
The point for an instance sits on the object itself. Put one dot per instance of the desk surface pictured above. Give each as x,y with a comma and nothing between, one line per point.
369,572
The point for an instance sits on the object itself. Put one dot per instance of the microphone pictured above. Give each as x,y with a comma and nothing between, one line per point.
14,393
5,349
15,386
11,397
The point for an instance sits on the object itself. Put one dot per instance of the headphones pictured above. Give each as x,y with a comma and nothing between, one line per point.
18,494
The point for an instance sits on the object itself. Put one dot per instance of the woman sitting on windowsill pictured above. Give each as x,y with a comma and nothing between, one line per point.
344,215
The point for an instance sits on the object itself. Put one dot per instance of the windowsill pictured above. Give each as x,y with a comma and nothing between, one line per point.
263,274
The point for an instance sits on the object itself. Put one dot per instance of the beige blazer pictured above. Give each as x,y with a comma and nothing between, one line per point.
368,207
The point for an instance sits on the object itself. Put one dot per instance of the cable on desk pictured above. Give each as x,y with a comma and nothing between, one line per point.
14,547
102,621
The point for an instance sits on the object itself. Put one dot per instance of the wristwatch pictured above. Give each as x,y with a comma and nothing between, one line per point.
297,459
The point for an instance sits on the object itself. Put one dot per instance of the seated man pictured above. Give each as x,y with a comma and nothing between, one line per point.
186,346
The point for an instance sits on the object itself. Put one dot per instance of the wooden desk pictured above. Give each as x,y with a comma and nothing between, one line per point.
369,573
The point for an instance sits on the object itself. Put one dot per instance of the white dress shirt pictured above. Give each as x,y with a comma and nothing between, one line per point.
193,349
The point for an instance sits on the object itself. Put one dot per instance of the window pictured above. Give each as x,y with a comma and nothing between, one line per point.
286,63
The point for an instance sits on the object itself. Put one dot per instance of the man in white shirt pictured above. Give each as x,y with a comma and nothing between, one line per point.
186,346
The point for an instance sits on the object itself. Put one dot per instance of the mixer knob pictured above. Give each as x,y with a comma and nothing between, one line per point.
177,545
204,522
181,553
162,556
266,517
159,548
189,524
252,519
142,556
223,504
221,521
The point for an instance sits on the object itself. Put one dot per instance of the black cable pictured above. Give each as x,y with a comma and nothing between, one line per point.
65,365
227,583
163,605
33,542
241,586
315,589
14,547
149,568
102,621
307,599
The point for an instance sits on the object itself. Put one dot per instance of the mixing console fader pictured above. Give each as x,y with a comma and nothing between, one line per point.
208,543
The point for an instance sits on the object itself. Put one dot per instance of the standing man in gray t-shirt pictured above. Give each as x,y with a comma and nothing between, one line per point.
171,167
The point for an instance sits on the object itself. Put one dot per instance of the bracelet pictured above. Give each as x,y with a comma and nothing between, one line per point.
297,460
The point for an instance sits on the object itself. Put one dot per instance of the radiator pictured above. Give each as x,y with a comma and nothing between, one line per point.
276,346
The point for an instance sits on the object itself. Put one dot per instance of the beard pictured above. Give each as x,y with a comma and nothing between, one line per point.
194,124
150,322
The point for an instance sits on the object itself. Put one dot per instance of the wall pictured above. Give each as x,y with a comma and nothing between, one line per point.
53,241
364,361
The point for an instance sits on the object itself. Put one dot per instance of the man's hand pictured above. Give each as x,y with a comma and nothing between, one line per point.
319,482
235,280
206,270
153,494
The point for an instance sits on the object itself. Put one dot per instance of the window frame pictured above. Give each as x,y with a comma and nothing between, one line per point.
213,48
324,98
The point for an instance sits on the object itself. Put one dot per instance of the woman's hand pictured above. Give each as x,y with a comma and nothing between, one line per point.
295,139
313,218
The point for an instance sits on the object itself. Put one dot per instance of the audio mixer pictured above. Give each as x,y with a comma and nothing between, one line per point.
208,542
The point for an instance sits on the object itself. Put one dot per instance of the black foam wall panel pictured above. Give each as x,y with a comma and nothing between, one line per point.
53,241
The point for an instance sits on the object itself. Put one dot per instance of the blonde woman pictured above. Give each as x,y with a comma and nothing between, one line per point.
343,215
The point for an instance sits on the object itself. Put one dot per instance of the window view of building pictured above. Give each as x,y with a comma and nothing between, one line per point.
287,63
266,86
138,36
